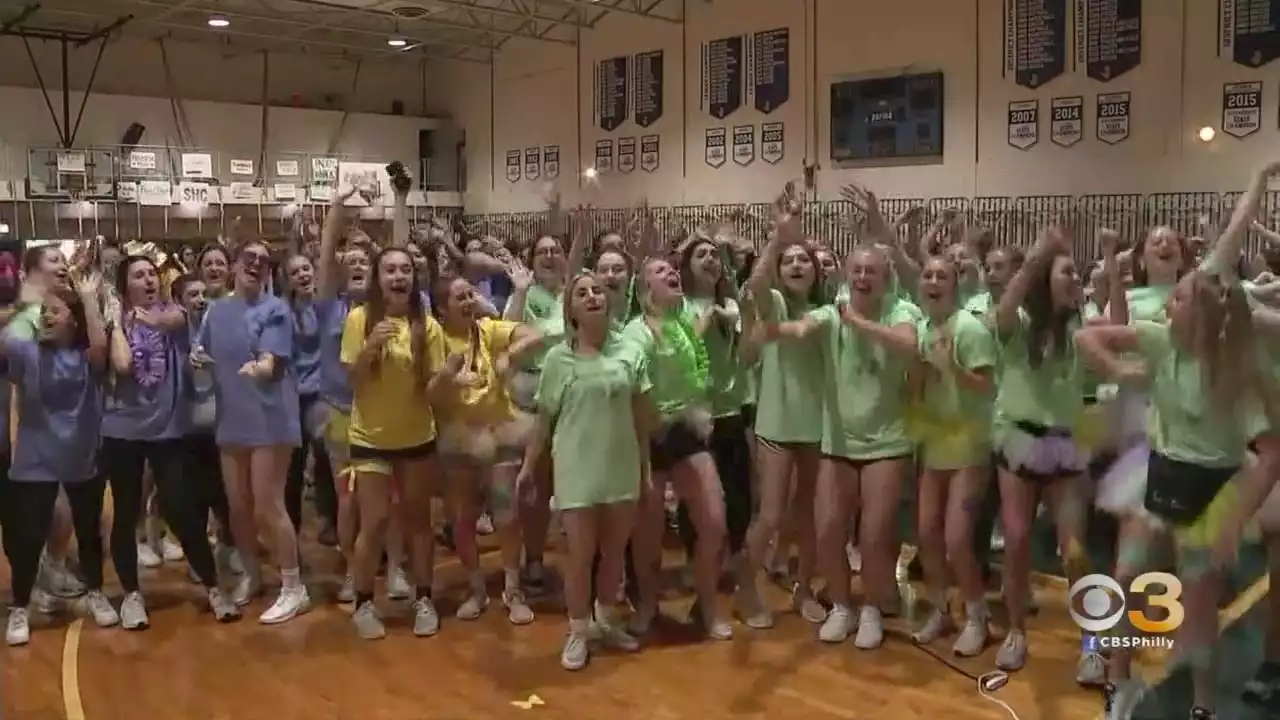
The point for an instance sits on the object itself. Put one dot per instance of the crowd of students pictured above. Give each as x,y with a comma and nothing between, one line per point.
782,393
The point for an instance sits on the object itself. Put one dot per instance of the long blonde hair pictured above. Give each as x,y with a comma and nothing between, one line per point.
1220,338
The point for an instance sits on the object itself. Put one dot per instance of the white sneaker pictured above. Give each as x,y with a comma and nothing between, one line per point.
291,603
99,608
247,588
368,625
973,638
147,556
43,602
837,626
347,593
576,650
398,587
473,607
224,609
935,626
1013,653
1091,669
19,629
133,612
58,580
171,550
870,628
426,621
807,605
518,610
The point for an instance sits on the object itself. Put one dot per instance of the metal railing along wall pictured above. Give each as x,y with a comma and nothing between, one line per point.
1012,220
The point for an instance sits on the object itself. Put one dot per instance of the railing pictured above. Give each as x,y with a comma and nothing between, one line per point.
1012,220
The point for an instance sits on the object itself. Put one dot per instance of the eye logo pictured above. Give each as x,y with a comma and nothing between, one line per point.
1101,602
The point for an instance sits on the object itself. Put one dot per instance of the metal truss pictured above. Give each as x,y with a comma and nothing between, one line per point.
457,30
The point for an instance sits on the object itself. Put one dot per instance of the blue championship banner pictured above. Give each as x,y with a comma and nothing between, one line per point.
1249,31
1035,41
532,163
1108,37
551,161
612,77
650,152
648,88
513,165
769,69
722,76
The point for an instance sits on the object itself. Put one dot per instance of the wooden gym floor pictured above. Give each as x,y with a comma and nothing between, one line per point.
186,667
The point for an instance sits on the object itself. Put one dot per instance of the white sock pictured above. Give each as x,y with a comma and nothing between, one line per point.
290,578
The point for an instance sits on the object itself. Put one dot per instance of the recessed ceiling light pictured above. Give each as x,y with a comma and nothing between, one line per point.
397,42
218,21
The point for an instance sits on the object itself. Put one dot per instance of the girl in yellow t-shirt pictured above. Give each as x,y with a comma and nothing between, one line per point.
394,354
482,438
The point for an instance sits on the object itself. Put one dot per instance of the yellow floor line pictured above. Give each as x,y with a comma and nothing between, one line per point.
72,706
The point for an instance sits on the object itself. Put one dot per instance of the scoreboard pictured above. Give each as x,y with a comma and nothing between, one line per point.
887,118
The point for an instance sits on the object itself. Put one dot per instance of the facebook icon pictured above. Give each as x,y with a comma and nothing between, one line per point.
1090,644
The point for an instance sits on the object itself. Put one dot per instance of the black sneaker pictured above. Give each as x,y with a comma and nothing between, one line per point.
1199,713
1264,686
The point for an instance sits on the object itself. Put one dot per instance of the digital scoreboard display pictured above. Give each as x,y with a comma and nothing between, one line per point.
887,118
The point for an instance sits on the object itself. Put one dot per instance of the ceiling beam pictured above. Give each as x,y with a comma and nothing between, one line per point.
430,21
618,8
522,13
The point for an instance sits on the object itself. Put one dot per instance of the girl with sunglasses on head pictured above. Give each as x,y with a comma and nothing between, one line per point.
143,426
246,342
58,376
593,416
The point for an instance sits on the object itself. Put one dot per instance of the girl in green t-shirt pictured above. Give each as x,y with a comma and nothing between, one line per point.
952,380
675,368
1040,397
784,285
592,414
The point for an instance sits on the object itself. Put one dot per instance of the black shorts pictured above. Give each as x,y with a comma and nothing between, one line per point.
861,463
416,452
1179,492
675,441
749,415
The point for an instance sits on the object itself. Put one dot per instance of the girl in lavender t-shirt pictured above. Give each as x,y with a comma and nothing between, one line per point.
246,340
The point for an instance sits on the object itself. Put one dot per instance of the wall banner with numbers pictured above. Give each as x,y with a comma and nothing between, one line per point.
1249,31
1024,123
744,144
1112,121
772,142
626,154
532,163
769,69
647,70
551,161
715,147
1108,37
1241,108
1066,126
513,165
604,155
612,79
722,76
1035,41
650,153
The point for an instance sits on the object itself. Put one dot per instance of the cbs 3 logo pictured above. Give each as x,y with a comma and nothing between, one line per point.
1096,598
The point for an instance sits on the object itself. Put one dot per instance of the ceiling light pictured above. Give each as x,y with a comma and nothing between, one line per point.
1207,133
218,21
397,42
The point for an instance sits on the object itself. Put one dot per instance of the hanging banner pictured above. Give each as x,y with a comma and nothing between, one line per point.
1108,37
649,87
142,160
769,69
744,144
1035,41
772,142
195,193
1112,121
604,156
1024,124
241,167
1067,124
289,168
611,92
551,161
650,154
532,163
513,166
324,171
714,150
1249,31
626,154
1241,108
722,76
